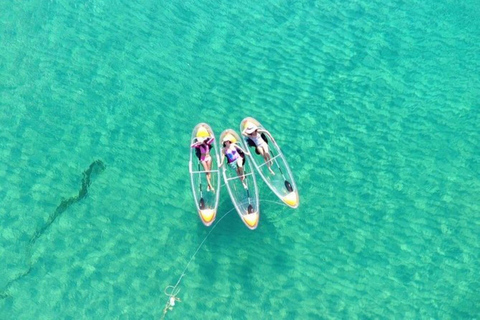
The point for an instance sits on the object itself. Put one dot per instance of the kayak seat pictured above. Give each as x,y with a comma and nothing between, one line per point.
240,152
264,137
252,145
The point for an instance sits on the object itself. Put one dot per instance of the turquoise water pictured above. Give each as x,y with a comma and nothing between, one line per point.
375,105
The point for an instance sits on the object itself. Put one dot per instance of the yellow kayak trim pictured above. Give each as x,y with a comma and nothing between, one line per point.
291,199
247,124
207,215
230,138
251,219
202,133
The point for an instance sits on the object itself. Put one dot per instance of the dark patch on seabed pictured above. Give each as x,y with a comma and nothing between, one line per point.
95,168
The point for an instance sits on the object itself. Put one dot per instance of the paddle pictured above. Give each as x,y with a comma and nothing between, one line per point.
288,185
250,207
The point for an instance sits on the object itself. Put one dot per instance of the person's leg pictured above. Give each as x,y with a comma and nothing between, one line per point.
261,152
206,166
209,166
265,152
240,171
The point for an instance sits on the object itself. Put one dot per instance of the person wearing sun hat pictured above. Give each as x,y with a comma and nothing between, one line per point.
235,161
254,133
204,144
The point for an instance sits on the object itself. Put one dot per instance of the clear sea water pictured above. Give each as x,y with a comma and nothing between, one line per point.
374,103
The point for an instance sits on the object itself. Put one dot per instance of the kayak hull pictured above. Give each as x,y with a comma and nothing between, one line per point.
281,182
245,200
206,202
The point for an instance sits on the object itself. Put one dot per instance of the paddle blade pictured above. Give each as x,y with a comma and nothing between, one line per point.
202,204
288,186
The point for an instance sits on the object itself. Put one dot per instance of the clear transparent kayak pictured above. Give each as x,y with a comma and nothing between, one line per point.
244,197
281,181
206,200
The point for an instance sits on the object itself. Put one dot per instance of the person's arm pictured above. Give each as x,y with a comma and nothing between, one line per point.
223,157
210,141
244,133
195,145
264,131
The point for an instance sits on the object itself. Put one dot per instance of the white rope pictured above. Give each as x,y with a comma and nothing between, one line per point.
172,296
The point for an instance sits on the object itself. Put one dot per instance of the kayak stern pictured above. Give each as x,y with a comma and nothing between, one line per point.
207,216
291,199
251,220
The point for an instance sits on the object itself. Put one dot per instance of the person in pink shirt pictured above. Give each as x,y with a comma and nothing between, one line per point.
203,146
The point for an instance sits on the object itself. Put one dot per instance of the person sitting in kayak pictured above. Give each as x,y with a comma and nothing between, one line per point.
255,134
234,159
203,145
